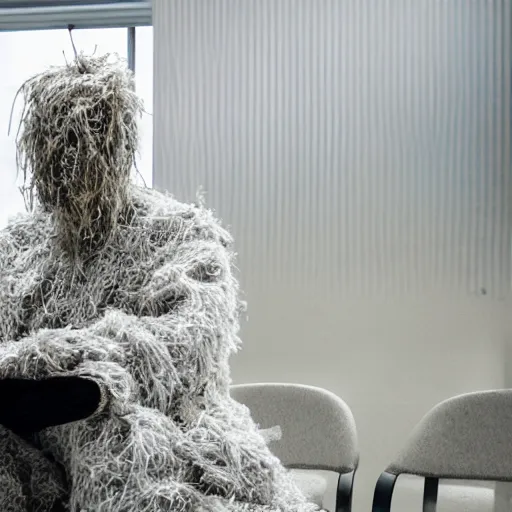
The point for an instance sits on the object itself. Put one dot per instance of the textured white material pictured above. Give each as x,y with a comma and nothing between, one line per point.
163,361
137,292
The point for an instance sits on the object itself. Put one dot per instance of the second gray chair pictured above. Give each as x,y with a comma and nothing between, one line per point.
318,432
468,437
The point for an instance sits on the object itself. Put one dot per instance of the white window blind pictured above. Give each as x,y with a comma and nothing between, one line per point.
47,14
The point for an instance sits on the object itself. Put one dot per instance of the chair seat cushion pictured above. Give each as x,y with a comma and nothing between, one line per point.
312,485
453,497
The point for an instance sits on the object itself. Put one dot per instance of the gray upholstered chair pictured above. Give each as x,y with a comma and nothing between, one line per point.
468,437
318,433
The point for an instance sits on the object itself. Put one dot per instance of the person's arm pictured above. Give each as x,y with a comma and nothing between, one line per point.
187,324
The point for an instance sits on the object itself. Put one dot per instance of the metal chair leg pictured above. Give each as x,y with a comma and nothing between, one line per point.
430,494
344,492
384,492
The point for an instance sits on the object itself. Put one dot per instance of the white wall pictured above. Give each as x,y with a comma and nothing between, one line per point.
360,151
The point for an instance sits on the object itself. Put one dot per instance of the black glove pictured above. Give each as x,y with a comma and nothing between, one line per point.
28,406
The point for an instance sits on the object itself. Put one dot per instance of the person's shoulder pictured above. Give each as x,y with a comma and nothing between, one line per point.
27,229
24,233
160,211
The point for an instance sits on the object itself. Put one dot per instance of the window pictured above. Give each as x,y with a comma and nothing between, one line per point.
25,53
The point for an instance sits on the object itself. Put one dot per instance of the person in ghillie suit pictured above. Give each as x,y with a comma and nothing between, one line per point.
119,311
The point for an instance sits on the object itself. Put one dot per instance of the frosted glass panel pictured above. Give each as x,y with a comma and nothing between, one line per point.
360,152
360,145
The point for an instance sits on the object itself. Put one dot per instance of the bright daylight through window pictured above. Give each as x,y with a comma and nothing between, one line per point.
25,53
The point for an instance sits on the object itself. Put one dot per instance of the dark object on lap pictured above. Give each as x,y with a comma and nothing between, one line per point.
28,406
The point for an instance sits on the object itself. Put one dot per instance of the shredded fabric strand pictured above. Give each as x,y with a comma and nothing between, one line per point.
130,288
78,135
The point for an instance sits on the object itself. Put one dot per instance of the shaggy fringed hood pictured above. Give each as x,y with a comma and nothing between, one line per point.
152,315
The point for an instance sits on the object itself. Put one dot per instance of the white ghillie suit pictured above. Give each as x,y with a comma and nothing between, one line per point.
153,318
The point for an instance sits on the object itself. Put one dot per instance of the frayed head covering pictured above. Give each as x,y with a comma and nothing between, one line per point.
76,147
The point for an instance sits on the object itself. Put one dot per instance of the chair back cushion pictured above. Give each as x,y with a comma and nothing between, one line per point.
318,428
466,437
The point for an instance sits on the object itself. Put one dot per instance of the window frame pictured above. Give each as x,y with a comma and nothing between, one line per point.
33,15
19,15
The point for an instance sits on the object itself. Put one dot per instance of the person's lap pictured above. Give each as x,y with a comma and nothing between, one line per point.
27,477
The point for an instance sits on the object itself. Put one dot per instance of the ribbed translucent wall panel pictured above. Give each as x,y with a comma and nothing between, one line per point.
360,152
358,145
